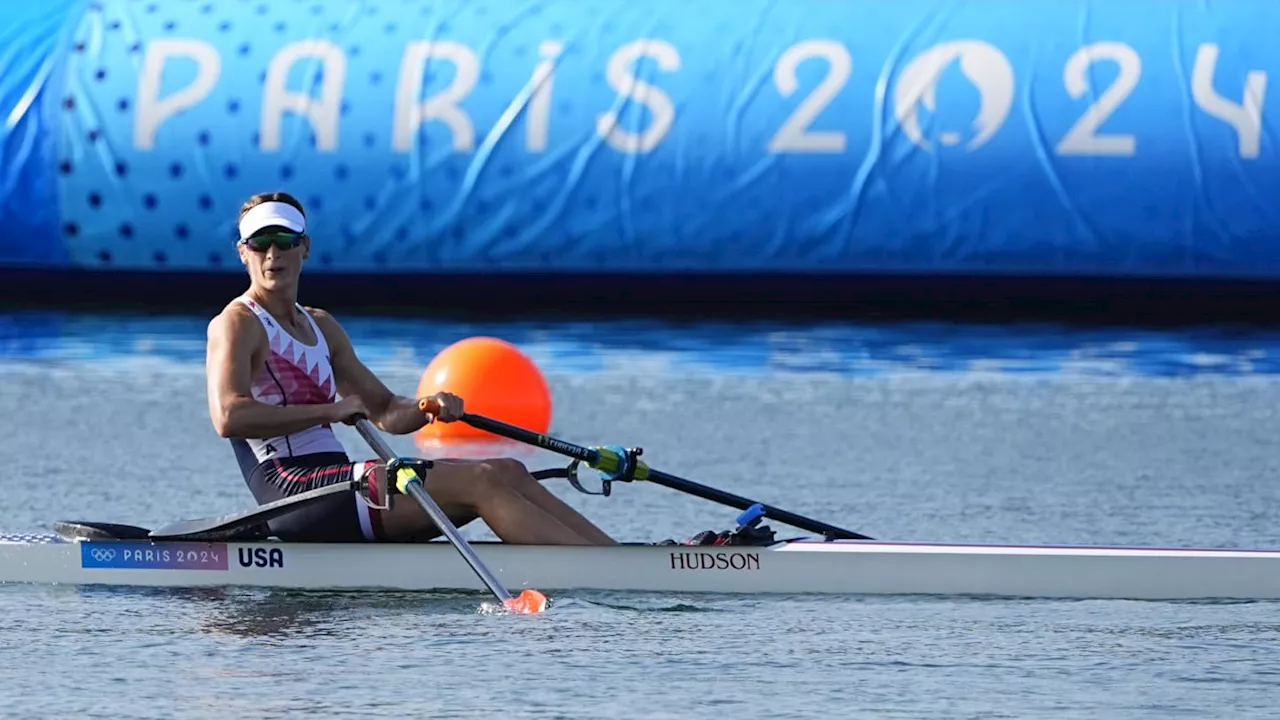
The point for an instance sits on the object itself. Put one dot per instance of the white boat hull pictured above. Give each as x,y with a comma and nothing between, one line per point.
842,567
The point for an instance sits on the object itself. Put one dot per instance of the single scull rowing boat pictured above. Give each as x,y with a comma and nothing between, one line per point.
235,550
793,566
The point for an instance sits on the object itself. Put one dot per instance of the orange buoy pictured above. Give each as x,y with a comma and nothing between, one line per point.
493,378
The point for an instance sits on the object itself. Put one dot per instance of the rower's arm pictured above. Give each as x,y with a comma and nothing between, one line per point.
395,414
232,339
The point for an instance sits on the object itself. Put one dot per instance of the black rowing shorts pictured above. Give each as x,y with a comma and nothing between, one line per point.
341,518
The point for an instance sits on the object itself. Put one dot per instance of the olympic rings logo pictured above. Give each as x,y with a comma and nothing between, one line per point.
102,554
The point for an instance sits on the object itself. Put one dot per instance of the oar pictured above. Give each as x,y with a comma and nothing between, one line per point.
622,465
409,483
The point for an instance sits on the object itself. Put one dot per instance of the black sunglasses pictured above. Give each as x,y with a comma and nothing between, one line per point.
282,241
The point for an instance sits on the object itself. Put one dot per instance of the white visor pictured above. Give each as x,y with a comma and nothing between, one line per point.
271,213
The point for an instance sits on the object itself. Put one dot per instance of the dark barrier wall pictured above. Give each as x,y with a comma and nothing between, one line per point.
1061,137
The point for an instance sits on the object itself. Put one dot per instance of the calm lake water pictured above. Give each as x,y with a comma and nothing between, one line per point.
927,431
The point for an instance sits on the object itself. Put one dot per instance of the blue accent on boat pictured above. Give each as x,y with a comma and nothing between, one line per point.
750,516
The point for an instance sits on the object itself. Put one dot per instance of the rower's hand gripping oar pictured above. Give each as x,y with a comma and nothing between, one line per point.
408,474
624,465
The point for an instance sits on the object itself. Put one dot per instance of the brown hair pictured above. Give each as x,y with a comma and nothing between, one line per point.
274,196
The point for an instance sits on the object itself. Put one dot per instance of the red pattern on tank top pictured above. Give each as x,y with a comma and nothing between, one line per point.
294,374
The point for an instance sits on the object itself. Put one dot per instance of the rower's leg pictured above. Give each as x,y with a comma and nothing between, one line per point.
477,488
517,476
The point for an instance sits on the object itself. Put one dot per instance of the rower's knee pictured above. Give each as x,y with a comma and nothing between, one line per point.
486,480
509,468
482,483
497,476
514,474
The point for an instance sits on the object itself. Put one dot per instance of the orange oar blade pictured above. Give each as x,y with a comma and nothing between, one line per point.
527,602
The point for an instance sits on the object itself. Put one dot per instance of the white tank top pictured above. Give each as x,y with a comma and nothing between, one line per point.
294,374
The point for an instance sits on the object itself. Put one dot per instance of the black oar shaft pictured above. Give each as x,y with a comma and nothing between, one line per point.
589,456
529,437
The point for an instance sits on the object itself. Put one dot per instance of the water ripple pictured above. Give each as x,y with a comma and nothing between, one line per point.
709,348
1149,437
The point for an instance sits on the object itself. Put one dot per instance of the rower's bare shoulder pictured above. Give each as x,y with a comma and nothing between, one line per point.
320,314
328,324
236,323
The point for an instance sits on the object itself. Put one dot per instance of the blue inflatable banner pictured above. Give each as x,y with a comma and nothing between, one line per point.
1068,137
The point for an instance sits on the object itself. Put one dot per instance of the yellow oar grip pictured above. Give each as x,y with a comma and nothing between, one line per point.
610,462
607,460
403,478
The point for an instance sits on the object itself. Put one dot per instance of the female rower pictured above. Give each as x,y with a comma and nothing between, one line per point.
274,371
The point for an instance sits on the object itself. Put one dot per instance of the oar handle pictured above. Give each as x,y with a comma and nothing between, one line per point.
429,405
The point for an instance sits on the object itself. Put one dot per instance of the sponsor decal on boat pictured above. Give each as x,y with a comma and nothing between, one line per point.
260,557
715,561
153,556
